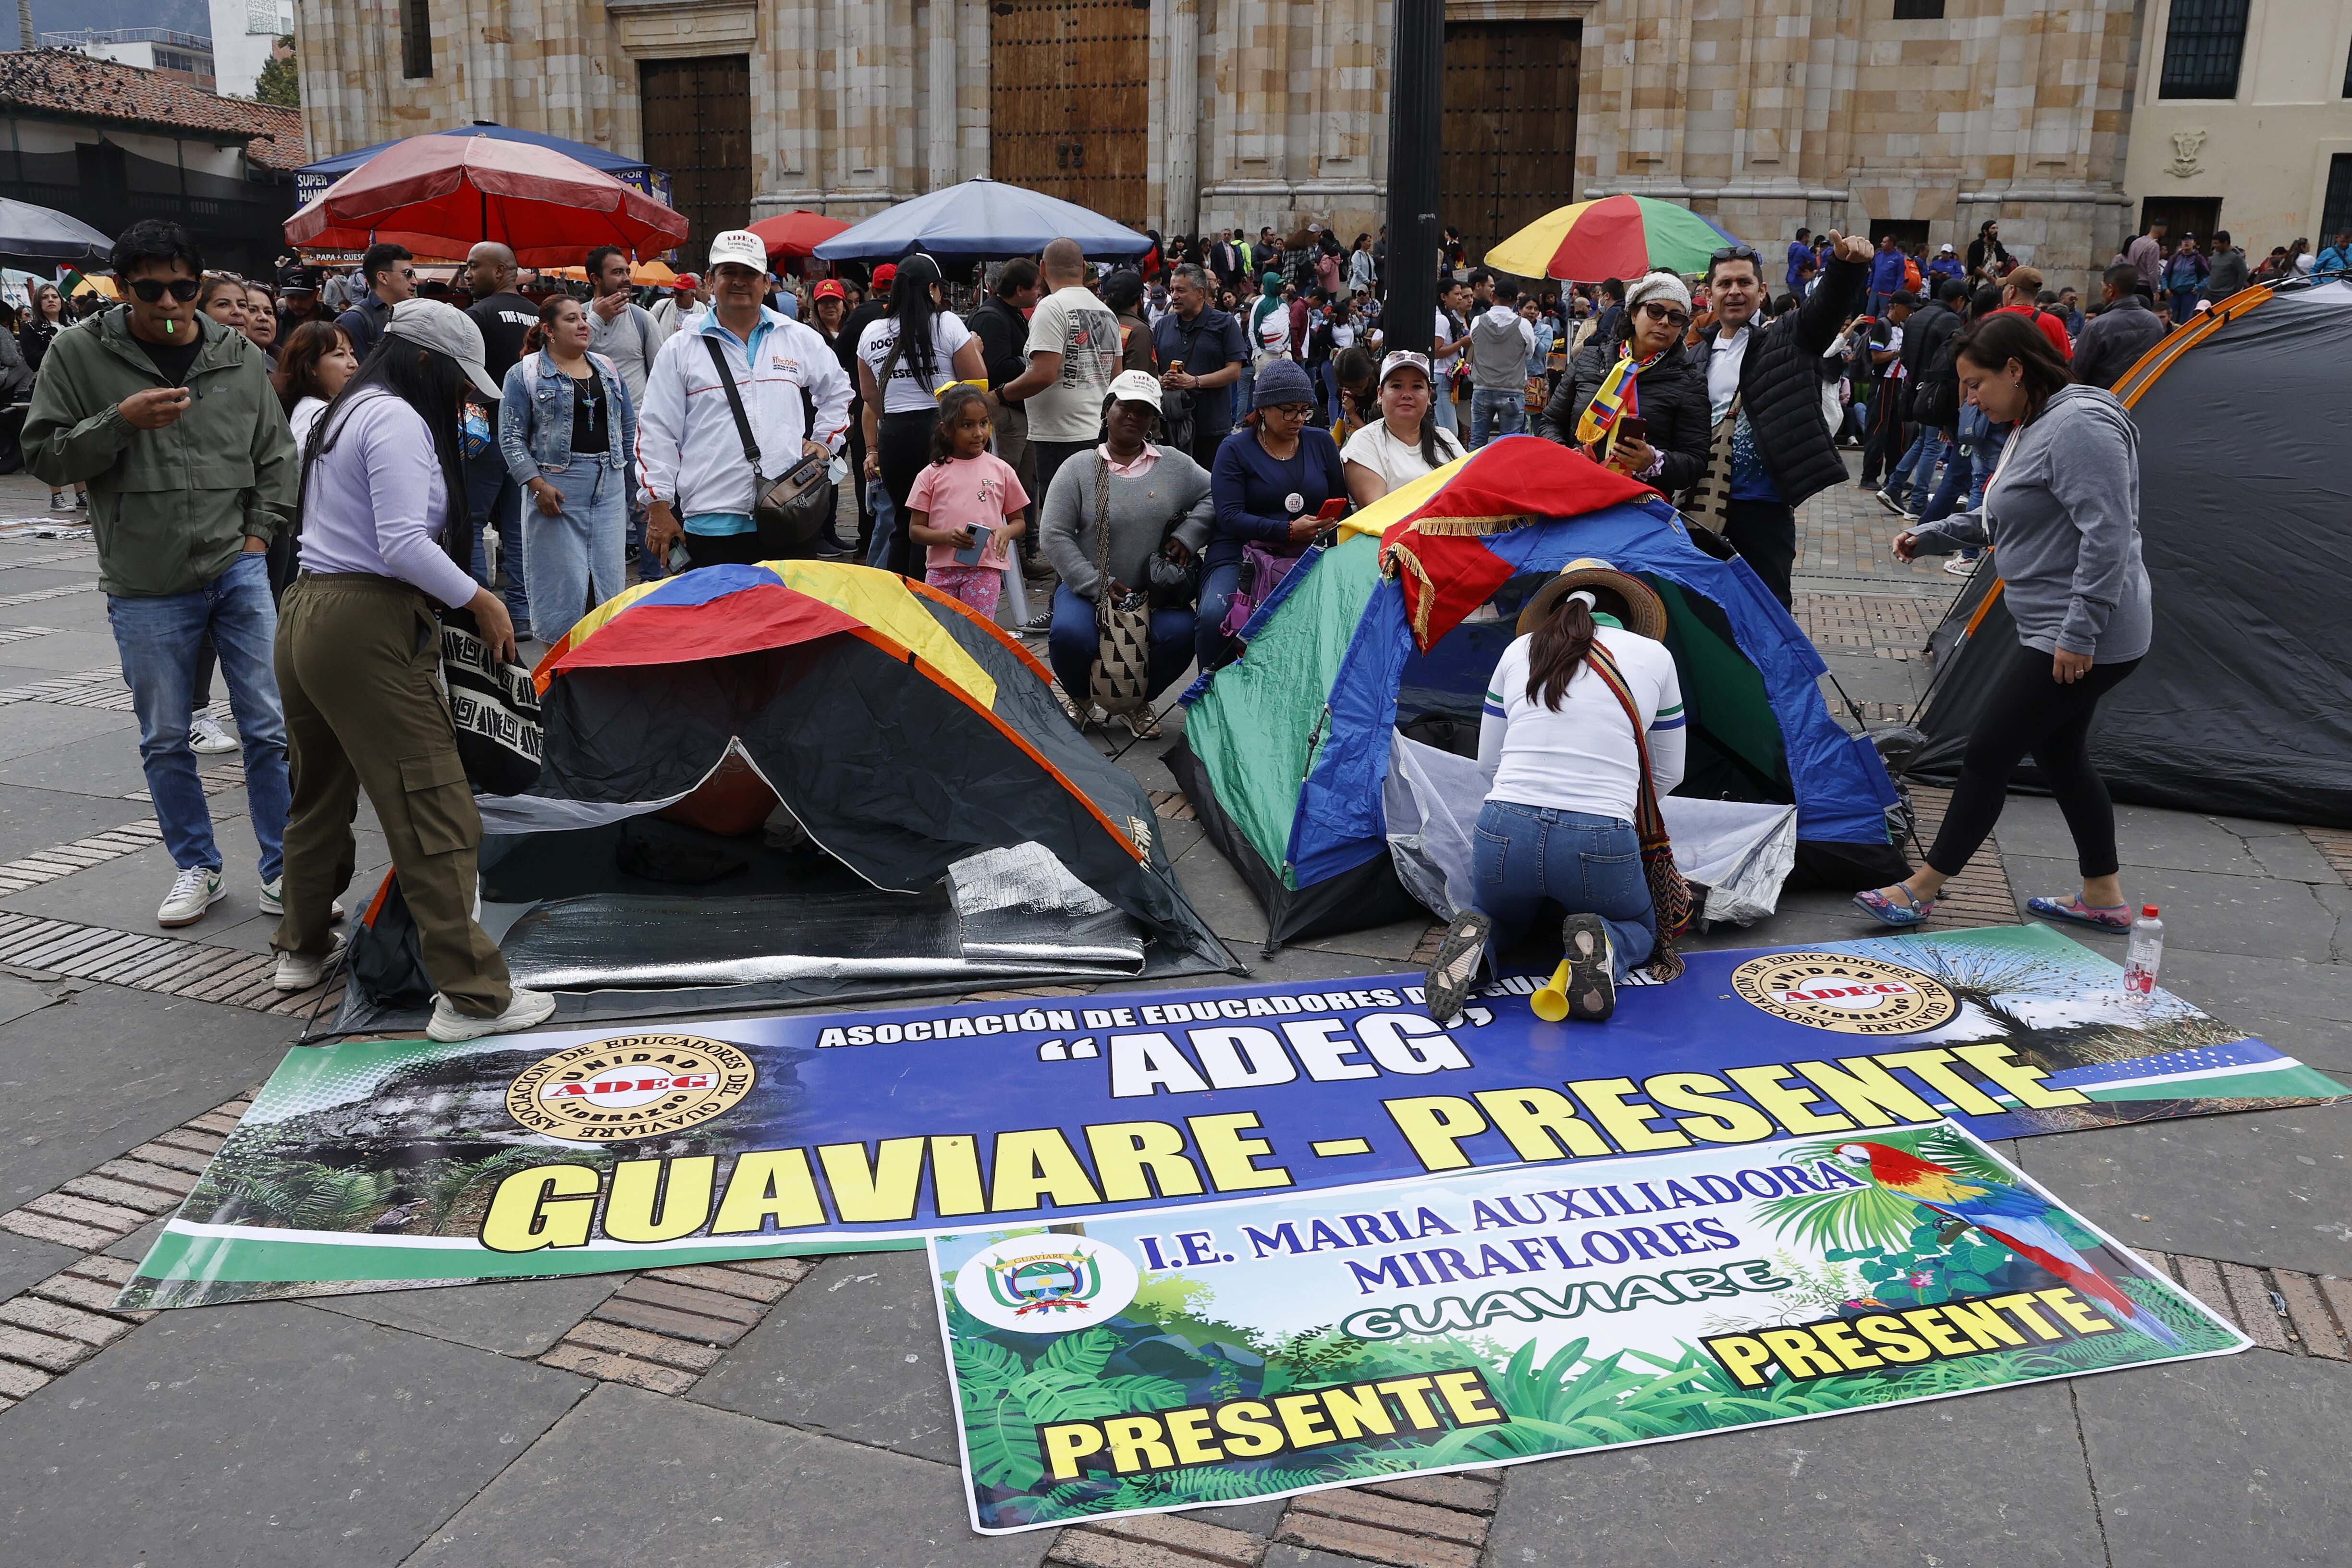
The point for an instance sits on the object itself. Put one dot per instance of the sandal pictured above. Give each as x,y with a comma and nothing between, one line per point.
2074,912
1911,911
1454,969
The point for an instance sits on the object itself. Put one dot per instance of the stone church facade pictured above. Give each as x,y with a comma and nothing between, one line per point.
1927,116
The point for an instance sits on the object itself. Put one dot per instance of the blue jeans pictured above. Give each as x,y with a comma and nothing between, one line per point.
885,526
1960,468
1496,412
1070,646
576,558
159,640
495,500
1211,646
1447,419
1522,855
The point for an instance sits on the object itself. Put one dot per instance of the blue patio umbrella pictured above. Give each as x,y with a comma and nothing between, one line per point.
312,178
978,220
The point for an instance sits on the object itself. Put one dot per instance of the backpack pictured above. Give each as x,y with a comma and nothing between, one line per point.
1935,395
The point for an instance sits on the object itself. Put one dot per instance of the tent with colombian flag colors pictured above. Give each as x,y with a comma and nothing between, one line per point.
802,781
1385,639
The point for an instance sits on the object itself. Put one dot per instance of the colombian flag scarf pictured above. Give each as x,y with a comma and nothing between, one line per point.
1620,397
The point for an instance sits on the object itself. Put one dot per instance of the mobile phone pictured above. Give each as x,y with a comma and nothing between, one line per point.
1633,429
1333,509
969,555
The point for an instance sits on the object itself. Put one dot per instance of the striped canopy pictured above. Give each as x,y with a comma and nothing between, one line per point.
1615,236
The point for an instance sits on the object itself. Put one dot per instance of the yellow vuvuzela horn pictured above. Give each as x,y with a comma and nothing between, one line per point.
1551,1003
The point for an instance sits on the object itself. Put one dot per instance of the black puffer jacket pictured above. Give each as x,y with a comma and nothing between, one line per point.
1672,399
1780,390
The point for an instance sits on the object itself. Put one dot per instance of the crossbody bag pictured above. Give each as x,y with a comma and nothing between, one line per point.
1119,680
1670,894
789,510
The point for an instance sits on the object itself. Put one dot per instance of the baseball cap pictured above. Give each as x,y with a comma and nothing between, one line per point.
886,275
739,245
687,280
1947,250
830,288
1136,387
445,329
298,280
1405,359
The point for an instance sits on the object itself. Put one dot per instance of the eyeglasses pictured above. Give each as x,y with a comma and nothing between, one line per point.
1735,253
1658,312
151,288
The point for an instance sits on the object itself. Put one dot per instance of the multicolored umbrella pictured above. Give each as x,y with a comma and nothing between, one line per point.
1616,237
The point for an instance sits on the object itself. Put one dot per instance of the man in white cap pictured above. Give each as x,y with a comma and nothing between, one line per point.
698,478
1946,265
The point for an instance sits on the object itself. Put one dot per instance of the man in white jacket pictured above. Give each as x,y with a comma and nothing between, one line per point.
697,478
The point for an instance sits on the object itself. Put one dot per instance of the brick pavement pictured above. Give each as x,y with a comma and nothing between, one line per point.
2243,1243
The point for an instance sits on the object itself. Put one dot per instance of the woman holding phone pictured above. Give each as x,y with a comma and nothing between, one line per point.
1632,400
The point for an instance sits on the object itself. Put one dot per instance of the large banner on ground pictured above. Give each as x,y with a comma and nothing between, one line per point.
1257,1349
373,1164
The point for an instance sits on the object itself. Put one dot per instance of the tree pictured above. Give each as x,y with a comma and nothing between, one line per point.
279,82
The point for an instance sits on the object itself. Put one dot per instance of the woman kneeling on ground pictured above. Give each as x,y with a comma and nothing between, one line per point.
385,545
1154,499
2061,514
1564,762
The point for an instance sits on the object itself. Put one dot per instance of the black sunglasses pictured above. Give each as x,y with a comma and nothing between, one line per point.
1667,314
151,288
1735,253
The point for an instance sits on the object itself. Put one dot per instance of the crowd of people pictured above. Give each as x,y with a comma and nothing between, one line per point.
295,483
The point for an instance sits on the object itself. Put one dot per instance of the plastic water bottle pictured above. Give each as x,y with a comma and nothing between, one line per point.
2144,954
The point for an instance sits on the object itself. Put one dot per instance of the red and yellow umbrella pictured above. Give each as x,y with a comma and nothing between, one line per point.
1615,236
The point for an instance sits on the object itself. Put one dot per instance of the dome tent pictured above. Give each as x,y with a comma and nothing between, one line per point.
1286,751
2243,704
796,782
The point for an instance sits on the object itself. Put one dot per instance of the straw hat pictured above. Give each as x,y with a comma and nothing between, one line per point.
1614,593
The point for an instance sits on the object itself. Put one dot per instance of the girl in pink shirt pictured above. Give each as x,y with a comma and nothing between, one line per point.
967,501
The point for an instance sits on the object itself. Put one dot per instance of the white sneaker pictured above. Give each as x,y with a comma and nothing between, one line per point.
528,1009
207,739
272,899
296,972
1960,566
194,891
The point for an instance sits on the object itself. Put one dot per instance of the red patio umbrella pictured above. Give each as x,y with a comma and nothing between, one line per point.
796,233
439,195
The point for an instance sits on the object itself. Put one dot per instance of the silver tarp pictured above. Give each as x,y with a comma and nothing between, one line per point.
1740,851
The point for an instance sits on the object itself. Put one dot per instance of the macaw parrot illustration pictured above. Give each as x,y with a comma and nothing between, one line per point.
2012,1216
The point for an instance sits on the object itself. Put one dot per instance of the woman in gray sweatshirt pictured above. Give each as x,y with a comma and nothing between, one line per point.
2062,515
1153,498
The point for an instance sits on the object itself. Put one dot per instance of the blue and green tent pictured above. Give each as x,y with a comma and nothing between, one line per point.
1285,750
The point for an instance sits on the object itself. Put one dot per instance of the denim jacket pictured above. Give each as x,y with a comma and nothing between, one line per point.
535,417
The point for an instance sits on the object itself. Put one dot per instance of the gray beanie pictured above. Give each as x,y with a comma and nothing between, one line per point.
1282,381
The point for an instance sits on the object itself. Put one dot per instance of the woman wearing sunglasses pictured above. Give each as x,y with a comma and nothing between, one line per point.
1638,372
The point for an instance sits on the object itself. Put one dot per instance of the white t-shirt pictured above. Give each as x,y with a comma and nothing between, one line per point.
1446,333
1723,373
1396,462
1581,756
306,415
1080,328
905,393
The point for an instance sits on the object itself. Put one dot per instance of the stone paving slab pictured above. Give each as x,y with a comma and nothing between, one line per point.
1994,1480
260,1435
26,1261
2267,1187
104,1071
2236,1460
100,757
122,893
854,1352
34,819
71,647
2302,1008
2205,910
631,1477
514,1317
2145,836
42,730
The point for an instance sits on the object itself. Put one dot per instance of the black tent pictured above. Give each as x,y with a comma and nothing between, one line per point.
2243,705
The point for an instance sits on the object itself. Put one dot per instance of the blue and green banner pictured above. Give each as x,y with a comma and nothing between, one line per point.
1257,1349
388,1163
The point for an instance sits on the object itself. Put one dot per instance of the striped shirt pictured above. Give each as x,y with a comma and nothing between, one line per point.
1581,757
